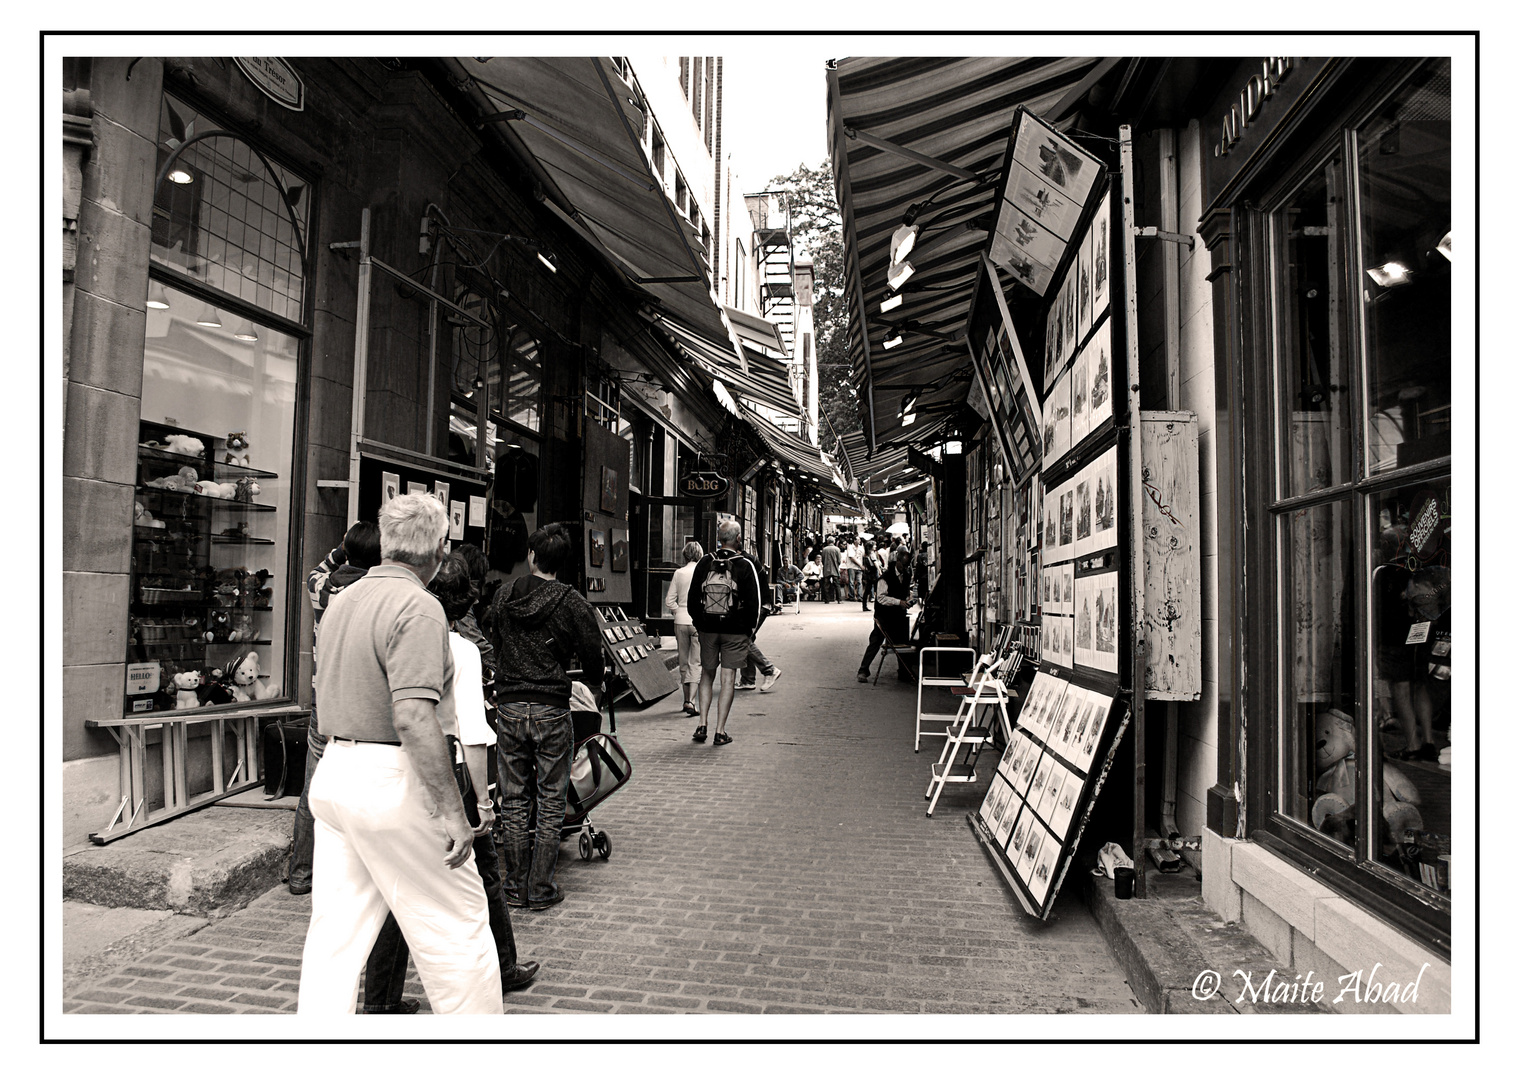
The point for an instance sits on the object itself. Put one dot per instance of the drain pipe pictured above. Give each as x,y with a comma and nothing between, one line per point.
1168,214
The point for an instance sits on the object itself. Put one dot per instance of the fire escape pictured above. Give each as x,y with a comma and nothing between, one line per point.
770,214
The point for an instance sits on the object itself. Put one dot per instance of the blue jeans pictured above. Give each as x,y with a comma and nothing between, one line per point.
536,745
300,863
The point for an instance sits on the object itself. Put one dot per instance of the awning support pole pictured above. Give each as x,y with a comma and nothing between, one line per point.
913,155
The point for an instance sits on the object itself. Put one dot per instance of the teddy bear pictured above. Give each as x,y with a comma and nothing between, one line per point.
186,684
215,490
245,679
215,689
183,479
241,627
144,519
1333,740
183,444
218,626
236,449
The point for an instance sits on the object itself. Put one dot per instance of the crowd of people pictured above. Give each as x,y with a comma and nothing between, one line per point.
423,665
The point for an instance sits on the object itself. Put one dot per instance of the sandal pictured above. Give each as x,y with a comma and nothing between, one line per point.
690,709
721,739
700,734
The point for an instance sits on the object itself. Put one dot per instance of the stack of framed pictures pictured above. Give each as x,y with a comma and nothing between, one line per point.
648,677
1046,783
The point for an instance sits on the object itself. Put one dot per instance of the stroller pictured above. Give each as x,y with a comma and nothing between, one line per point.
599,767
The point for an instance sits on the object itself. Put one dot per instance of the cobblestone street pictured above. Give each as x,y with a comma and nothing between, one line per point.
791,872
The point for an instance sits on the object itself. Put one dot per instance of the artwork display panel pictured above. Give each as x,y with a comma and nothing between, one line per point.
1042,150
1048,177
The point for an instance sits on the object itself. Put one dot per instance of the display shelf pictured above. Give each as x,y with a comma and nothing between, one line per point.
200,602
219,468
209,500
242,540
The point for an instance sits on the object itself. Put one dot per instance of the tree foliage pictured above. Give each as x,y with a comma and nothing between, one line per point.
818,231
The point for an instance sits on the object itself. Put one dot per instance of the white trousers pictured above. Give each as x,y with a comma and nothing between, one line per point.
377,848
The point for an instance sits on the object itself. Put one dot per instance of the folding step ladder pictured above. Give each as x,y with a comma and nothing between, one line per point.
965,738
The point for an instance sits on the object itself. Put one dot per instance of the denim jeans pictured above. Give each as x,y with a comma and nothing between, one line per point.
300,863
536,744
757,661
389,960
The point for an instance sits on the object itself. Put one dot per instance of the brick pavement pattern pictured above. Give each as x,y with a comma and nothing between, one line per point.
793,871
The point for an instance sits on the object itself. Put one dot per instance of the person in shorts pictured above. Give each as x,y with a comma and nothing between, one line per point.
725,604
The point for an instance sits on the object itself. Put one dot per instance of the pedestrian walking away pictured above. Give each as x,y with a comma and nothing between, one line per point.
854,565
534,625
726,605
357,553
830,555
686,642
891,618
389,825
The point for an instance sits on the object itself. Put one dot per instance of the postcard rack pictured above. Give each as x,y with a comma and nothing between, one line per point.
639,663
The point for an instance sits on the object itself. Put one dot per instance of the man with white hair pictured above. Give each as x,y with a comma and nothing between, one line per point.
725,602
389,826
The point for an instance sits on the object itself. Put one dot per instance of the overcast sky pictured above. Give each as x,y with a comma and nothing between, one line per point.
775,110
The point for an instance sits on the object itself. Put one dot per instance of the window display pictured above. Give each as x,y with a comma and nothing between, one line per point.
212,514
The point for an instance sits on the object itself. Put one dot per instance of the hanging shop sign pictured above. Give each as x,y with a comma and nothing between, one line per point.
275,78
1048,180
704,485
1005,375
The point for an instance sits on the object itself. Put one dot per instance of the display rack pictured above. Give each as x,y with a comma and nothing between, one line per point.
638,662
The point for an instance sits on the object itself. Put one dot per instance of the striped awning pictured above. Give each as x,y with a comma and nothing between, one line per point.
793,450
581,127
943,128
762,380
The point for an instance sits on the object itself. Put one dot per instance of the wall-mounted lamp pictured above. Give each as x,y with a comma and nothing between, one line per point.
904,235
246,332
179,175
1389,273
909,419
893,342
898,273
209,317
549,261
893,301
157,297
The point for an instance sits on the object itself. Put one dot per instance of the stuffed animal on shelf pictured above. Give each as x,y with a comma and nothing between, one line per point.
218,626
144,519
241,627
215,690
245,680
1333,740
236,449
215,490
184,479
186,684
245,489
184,444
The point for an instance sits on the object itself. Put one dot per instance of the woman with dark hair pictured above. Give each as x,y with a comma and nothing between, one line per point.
535,625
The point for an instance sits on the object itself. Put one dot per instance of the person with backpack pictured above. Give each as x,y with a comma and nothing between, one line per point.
536,623
725,603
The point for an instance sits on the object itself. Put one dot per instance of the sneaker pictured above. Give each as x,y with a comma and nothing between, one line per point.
745,686
862,676
769,681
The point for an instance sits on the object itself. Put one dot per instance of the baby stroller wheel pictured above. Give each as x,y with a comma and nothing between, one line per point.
586,849
603,845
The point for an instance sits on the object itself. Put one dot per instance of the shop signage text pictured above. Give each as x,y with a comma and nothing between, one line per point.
1251,99
275,78
704,485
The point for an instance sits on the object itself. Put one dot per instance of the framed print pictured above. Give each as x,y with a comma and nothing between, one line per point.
1083,622
1083,517
1040,200
1065,509
1100,242
457,513
443,491
1007,816
1105,500
1106,652
1030,761
618,551
390,488
1067,802
1049,533
1069,298
625,654
609,478
417,488
1046,801
1083,265
1049,449
597,547
1030,844
1101,390
1078,413
1021,247
1091,743
992,805
1046,864
478,512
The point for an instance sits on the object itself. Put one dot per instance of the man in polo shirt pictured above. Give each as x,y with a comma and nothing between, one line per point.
389,827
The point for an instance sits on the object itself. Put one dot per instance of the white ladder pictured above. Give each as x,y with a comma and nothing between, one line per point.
964,737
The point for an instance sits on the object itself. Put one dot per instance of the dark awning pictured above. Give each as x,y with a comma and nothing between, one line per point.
577,118
926,130
752,330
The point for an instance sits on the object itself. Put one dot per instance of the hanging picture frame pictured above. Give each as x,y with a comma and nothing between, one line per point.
618,551
1100,244
597,547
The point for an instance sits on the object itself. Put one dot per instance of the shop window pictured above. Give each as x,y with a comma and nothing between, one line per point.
226,216
1360,269
212,531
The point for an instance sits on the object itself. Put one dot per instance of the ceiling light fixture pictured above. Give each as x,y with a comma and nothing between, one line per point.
909,419
1443,247
1389,273
209,317
157,297
904,235
548,261
895,300
898,273
246,332
893,342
